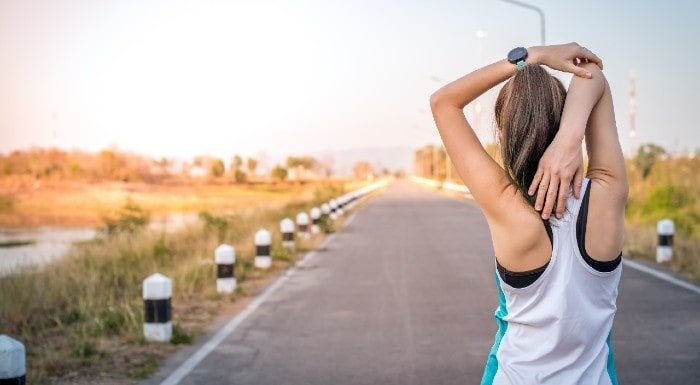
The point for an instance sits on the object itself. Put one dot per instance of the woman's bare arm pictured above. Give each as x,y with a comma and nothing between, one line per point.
605,228
484,177
589,109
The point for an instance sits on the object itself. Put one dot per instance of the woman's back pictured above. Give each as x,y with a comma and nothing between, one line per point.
556,329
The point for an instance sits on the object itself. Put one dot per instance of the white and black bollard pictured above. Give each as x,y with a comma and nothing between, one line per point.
263,239
13,364
664,250
157,292
225,258
315,218
303,224
325,210
341,203
334,209
287,230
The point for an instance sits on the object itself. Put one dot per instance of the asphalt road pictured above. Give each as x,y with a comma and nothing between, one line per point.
405,294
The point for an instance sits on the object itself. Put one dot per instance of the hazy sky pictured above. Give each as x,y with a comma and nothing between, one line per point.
169,78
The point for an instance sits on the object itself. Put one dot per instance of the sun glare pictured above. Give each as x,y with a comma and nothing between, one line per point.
238,67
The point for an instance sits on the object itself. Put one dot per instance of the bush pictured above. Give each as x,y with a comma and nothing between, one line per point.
225,226
240,176
130,219
673,202
7,203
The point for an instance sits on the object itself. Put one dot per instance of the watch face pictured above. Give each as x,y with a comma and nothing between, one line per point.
517,54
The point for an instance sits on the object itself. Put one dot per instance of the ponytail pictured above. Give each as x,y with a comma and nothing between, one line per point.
528,112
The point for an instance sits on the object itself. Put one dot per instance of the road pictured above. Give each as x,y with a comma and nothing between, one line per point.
405,294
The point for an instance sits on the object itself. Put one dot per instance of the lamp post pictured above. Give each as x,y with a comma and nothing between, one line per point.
533,8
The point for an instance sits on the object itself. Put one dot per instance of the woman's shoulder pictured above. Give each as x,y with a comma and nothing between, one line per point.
520,238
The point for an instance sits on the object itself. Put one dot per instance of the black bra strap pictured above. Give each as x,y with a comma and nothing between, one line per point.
602,266
520,279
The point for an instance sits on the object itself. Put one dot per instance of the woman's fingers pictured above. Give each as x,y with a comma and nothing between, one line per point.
585,53
535,182
551,197
578,71
542,191
561,199
578,181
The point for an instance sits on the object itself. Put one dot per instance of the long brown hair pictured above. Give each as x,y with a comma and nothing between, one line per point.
528,111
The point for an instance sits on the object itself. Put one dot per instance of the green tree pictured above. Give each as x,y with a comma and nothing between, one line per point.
217,168
647,155
252,165
305,162
279,172
240,176
236,162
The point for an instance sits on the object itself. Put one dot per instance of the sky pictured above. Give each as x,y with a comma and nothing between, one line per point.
185,78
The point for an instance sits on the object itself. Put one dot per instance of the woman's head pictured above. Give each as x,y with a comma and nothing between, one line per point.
528,111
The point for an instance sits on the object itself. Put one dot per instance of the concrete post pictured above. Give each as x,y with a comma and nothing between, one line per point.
225,258
263,239
13,369
315,218
157,292
303,223
664,250
334,209
341,203
325,209
287,230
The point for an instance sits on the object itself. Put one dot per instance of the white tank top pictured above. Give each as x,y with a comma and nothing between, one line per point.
557,329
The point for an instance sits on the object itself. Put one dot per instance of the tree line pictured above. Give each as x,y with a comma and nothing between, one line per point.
115,165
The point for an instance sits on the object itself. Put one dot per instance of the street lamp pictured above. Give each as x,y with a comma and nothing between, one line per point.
533,8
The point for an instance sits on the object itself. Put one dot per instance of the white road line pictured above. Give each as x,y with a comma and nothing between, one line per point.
350,219
186,367
662,276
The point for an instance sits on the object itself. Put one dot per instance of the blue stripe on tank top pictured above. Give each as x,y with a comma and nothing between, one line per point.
611,361
492,362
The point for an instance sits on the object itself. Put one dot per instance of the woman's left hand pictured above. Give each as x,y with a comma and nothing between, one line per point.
561,163
565,58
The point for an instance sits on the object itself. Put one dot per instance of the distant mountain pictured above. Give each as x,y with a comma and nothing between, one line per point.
391,158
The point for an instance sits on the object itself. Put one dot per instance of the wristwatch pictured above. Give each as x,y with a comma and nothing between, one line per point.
517,56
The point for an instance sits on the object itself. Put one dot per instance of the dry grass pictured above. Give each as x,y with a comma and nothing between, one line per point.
81,318
25,201
640,242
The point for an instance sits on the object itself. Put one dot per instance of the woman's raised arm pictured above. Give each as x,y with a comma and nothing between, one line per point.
482,175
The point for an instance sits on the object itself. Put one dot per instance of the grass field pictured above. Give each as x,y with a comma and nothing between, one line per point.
27,202
81,317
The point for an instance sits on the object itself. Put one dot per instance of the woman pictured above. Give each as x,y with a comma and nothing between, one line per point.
557,277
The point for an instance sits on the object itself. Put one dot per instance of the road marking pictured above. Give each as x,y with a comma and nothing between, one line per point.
661,275
186,367
350,219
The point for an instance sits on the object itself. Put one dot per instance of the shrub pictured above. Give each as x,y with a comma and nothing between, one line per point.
130,219
673,202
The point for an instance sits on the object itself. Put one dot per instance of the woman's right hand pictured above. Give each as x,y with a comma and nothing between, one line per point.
565,57
561,166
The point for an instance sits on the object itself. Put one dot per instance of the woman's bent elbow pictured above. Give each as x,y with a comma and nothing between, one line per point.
435,100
